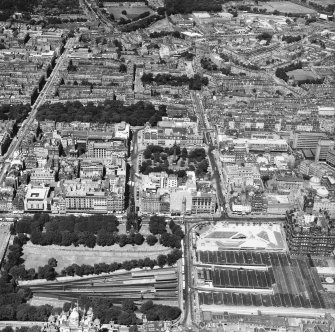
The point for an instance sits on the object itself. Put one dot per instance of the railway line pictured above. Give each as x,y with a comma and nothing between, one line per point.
141,285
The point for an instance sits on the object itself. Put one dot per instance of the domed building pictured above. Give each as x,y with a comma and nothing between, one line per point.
74,322
314,181
322,192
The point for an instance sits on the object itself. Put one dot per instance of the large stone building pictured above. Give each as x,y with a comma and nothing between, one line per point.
309,234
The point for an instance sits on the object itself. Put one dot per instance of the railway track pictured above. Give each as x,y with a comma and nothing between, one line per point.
156,284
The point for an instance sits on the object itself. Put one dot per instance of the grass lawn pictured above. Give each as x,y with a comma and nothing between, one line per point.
131,11
324,2
35,255
162,25
286,7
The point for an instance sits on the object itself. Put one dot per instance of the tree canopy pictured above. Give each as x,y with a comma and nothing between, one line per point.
14,112
110,111
159,312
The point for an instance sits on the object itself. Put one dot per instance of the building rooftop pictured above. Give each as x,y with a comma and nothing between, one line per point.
241,236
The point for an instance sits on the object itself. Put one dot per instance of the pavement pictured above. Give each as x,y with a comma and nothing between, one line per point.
4,238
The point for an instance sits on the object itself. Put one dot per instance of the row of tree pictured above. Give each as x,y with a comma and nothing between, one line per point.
291,39
281,72
34,328
208,64
327,7
58,20
87,239
311,81
106,312
110,111
16,269
189,6
159,34
8,7
87,231
84,269
251,9
13,299
71,224
125,315
61,6
194,83
140,24
26,312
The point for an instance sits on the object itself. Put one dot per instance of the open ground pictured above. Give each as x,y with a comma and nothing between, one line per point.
161,25
131,11
4,238
324,2
285,7
35,255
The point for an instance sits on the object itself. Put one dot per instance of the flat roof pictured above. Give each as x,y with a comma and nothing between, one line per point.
242,236
37,192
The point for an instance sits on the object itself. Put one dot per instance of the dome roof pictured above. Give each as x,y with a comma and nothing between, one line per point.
322,192
314,180
74,314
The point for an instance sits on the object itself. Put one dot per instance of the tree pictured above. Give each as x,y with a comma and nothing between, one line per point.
122,68
36,237
127,318
124,12
123,240
184,153
159,312
105,239
133,328
7,312
87,239
136,114
161,260
46,272
127,265
170,240
31,274
202,167
138,239
146,306
52,262
18,272
128,306
157,225
66,306
147,153
151,240
7,329
173,257
24,293
161,11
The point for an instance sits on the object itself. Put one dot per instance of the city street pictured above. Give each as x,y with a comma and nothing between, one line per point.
205,126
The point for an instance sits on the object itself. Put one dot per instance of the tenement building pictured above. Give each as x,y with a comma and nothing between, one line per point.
309,234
